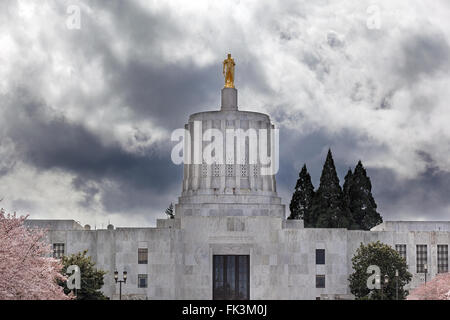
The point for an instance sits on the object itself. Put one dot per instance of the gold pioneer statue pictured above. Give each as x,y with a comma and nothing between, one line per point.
228,71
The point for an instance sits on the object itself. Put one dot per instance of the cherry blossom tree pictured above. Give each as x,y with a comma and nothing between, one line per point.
436,289
27,271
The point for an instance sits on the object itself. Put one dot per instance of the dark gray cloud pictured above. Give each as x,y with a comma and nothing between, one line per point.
334,41
424,54
131,62
88,189
311,149
50,142
167,94
424,197
143,79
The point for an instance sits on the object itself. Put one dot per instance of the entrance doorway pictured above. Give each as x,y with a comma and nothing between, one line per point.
231,277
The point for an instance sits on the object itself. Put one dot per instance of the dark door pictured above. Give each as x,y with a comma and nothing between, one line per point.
231,277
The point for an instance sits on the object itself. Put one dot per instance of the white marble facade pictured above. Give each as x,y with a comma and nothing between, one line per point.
234,210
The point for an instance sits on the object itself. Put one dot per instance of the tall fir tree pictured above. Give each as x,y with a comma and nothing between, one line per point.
301,202
360,200
169,212
346,186
348,182
328,210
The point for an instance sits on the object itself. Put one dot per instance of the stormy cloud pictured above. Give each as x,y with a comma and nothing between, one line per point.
86,113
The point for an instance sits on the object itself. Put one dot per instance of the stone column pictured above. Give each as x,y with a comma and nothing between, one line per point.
187,157
223,125
197,154
209,167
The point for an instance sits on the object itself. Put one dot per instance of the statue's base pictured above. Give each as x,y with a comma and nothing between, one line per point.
229,99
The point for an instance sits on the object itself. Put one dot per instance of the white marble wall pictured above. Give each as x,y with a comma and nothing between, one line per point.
282,255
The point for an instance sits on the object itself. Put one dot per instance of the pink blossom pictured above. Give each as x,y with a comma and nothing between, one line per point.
436,289
27,270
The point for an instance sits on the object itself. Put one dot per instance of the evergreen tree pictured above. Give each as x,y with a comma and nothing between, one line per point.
328,210
301,202
169,212
348,183
360,200
346,187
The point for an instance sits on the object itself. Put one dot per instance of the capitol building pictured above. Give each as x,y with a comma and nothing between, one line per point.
230,238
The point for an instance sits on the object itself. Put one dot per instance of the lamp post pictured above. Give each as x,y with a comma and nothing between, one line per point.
396,284
383,284
425,267
116,278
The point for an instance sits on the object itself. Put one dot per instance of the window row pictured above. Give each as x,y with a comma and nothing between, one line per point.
320,260
422,257
230,170
59,250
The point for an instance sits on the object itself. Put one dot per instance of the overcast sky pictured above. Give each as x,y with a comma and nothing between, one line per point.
87,105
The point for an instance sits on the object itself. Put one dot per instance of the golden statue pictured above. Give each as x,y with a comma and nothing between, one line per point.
228,71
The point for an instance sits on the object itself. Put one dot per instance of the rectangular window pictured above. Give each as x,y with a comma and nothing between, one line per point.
442,258
401,249
58,250
142,281
142,256
421,258
320,256
320,281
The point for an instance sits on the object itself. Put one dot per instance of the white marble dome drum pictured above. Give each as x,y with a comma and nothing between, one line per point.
230,163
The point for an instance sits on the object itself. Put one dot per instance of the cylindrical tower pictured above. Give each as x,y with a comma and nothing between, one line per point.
227,156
